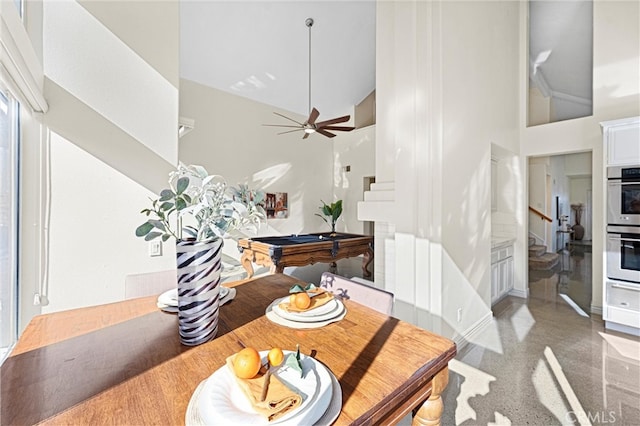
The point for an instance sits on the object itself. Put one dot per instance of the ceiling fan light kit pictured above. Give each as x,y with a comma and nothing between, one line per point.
310,125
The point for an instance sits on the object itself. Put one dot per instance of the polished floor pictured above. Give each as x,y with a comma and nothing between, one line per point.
544,362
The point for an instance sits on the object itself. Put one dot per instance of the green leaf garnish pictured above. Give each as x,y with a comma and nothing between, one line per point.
296,288
293,361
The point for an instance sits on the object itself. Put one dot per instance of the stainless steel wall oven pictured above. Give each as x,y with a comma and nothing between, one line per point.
623,253
623,195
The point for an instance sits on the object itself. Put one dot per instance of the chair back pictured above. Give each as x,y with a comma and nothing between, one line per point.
375,298
150,283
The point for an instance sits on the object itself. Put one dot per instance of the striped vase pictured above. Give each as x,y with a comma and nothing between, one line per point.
199,267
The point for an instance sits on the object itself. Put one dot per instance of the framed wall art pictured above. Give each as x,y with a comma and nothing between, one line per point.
276,205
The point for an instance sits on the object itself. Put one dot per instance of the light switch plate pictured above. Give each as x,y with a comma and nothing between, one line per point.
155,248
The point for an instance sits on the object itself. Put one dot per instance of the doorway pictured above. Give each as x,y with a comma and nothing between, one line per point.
566,178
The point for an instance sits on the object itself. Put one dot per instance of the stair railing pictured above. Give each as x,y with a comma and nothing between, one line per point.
540,214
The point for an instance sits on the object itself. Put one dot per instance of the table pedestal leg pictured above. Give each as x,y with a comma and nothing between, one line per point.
246,260
366,261
431,411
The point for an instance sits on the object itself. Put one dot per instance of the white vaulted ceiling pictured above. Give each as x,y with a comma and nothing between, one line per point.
259,50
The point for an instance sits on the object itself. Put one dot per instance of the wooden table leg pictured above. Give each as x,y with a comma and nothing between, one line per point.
431,411
246,259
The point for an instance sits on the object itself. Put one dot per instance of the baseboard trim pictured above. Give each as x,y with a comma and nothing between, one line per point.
596,310
524,294
465,338
622,328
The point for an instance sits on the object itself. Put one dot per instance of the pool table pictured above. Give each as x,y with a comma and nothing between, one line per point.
279,252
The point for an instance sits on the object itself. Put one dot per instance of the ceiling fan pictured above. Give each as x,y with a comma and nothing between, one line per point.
310,125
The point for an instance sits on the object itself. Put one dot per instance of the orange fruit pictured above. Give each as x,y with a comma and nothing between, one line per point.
292,299
247,363
275,356
302,301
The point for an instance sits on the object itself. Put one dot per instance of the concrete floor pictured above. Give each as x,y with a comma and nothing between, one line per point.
543,363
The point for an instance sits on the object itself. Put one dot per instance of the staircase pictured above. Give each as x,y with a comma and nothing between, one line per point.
539,258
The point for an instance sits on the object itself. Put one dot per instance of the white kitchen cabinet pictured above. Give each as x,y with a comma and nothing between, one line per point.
620,299
501,272
495,277
622,305
622,141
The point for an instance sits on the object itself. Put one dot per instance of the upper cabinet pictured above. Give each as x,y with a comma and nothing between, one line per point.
622,141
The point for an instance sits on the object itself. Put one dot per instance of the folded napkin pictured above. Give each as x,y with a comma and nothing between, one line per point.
280,399
316,301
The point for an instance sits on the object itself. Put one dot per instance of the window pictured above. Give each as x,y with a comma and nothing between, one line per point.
560,61
9,115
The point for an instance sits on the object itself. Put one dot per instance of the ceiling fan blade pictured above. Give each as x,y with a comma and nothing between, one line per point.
280,125
313,116
341,128
325,133
334,121
289,131
290,119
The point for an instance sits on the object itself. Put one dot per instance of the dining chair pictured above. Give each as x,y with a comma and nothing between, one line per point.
375,298
149,283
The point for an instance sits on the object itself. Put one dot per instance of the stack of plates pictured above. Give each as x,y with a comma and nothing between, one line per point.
168,301
219,399
331,311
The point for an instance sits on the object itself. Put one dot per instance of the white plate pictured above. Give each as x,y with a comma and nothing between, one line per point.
223,402
229,295
320,310
276,319
334,309
192,416
170,297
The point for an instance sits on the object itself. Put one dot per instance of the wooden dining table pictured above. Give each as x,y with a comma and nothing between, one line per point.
123,363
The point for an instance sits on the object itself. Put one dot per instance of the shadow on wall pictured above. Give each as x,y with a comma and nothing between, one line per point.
80,124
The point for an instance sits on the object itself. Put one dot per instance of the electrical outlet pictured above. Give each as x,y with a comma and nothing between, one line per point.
459,314
155,248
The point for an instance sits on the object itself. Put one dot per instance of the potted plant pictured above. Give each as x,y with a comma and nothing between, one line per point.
197,210
331,213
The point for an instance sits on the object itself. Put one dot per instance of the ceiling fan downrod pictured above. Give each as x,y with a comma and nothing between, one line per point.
309,23
310,125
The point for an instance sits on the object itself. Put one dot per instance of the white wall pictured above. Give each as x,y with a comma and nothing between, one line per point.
102,71
508,178
110,112
94,213
616,83
229,140
441,103
355,149
538,200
